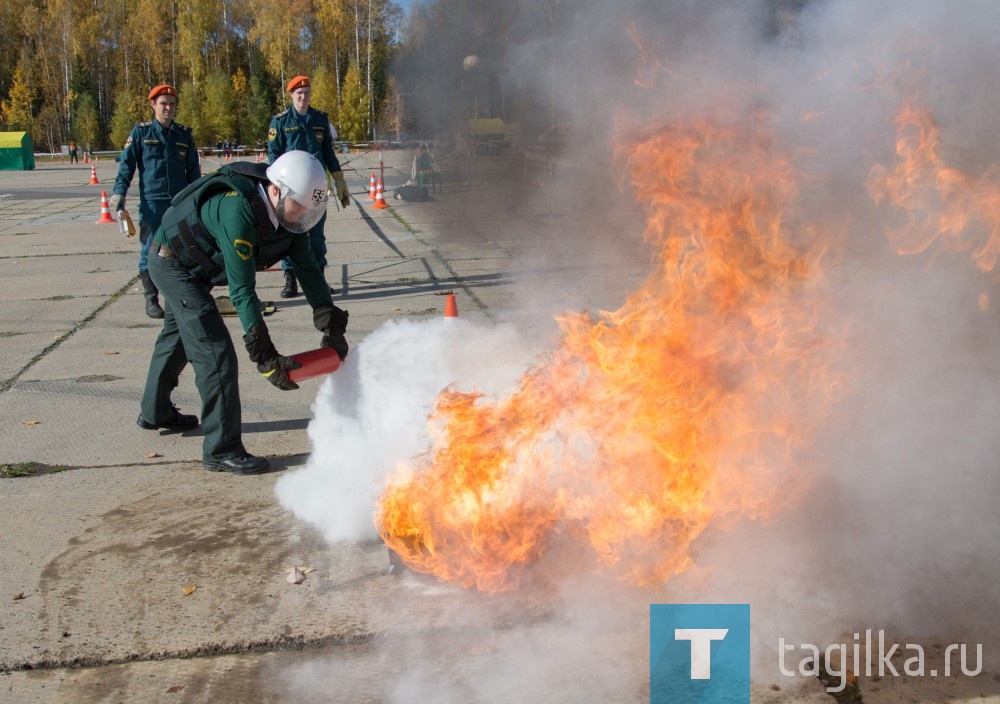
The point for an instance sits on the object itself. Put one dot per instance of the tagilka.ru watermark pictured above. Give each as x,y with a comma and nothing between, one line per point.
700,654
872,657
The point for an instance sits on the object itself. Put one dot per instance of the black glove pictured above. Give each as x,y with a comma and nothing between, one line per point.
258,343
337,341
269,363
276,371
330,318
332,322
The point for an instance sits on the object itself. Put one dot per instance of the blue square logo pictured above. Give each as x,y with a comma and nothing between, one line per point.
699,654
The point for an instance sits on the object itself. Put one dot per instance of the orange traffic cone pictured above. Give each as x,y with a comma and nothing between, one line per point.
371,188
105,210
450,306
380,196
86,158
93,174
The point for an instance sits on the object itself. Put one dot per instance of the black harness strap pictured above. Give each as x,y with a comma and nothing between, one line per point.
261,216
189,243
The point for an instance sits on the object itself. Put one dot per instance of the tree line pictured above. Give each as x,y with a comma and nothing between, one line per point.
80,70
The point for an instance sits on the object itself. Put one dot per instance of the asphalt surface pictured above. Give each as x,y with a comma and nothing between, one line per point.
130,574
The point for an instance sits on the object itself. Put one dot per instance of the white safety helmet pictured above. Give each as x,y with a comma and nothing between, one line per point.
301,178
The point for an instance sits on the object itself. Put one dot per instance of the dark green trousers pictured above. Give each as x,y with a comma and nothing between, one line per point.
194,331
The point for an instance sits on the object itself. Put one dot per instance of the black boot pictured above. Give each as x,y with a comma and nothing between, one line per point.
291,289
150,291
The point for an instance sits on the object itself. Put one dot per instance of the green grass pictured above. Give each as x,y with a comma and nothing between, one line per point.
28,469
9,471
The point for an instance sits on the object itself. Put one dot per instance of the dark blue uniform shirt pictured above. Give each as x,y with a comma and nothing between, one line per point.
289,132
167,160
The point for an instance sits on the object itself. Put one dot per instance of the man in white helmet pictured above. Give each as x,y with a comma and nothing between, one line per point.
221,230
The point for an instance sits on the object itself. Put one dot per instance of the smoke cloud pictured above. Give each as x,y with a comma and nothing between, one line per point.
898,529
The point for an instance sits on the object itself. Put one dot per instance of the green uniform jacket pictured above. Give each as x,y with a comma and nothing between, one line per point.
228,217
287,133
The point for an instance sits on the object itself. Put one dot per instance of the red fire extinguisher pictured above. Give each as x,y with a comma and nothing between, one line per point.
318,362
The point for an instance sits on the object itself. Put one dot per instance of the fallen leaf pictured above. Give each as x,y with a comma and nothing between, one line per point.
112,353
307,570
19,596
188,589
31,422
151,455
295,576
176,688
396,310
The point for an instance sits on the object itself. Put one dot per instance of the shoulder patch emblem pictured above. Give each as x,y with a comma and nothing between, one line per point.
244,249
271,134
128,142
318,134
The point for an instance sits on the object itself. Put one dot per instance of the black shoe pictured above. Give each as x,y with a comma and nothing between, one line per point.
153,309
242,464
291,289
176,421
150,292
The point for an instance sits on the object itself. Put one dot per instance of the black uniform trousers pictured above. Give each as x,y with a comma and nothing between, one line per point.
193,330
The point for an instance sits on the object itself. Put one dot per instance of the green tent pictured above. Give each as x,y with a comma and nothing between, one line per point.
16,152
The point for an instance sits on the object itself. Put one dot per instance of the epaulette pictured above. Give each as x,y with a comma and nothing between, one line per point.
145,124
320,112
183,128
282,113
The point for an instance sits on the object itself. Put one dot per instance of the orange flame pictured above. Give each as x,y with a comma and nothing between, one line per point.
684,408
939,202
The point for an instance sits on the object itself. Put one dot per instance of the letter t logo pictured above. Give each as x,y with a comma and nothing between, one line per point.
701,648
699,653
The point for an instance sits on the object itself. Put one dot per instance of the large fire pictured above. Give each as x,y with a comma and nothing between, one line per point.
689,406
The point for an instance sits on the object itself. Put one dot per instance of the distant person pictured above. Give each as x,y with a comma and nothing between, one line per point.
424,169
167,159
221,231
72,153
411,192
308,129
